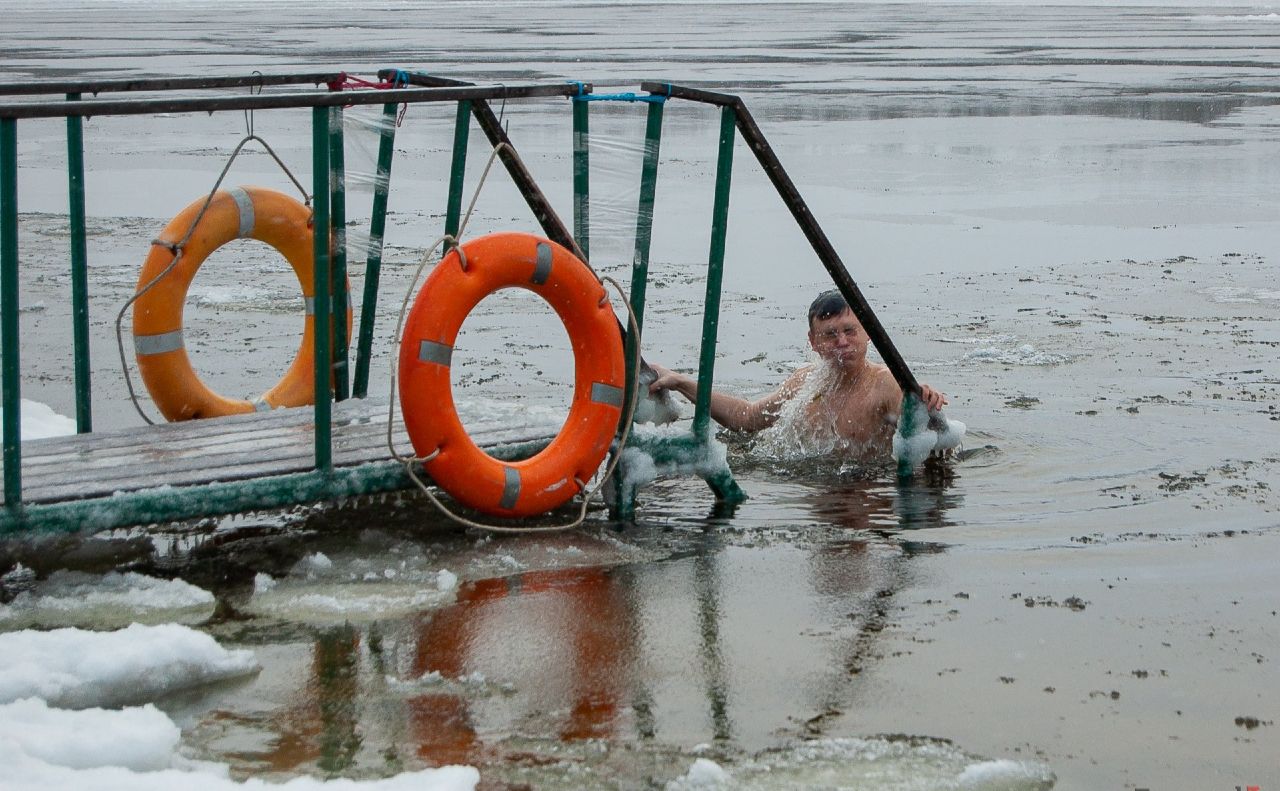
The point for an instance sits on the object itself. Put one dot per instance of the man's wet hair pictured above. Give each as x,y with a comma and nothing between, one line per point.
828,304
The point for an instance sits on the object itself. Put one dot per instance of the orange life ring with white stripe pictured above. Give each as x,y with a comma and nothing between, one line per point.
455,287
239,213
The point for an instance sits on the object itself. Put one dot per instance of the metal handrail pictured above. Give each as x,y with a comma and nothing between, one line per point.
262,101
326,107
256,80
326,110
786,188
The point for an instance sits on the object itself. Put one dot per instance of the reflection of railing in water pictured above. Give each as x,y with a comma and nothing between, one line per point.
332,382
529,669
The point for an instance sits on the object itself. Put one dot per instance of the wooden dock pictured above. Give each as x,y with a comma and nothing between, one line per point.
223,465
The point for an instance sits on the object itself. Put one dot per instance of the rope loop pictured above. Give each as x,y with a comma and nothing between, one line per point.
177,247
429,457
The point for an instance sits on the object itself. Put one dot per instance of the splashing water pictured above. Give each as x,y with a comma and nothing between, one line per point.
796,436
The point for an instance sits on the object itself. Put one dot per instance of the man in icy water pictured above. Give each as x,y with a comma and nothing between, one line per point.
842,402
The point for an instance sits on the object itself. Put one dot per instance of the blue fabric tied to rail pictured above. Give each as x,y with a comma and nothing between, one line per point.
583,96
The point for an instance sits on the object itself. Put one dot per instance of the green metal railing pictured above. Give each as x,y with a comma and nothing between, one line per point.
734,115
12,423
373,264
321,118
79,270
786,188
330,302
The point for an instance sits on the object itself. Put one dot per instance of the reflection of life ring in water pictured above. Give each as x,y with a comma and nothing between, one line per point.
455,287
578,638
240,213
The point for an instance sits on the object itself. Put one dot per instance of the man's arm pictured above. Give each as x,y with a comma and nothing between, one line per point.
732,412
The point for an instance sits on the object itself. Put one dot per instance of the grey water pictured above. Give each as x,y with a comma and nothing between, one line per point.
1065,216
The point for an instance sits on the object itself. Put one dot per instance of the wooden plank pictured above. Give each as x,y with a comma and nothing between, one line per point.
234,448
179,434
296,457
354,415
230,448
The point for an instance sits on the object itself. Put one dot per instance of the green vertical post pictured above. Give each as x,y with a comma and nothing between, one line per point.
644,215
320,283
10,373
457,170
715,268
644,234
338,260
908,426
624,506
79,270
373,264
581,178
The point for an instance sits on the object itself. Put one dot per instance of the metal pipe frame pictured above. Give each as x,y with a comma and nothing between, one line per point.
715,275
473,101
79,271
546,215
338,255
373,264
321,281
9,348
457,173
159,84
329,282
582,178
644,238
261,101
786,188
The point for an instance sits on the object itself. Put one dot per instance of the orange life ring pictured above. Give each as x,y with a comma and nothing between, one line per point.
239,213
461,468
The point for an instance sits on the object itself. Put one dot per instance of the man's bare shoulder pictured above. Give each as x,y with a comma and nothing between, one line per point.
883,376
886,385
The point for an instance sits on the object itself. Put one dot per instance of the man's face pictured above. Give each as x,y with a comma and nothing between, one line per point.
839,339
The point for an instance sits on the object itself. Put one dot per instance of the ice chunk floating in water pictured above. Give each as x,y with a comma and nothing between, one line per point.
322,589
905,762
75,668
69,598
704,773
137,749
141,738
